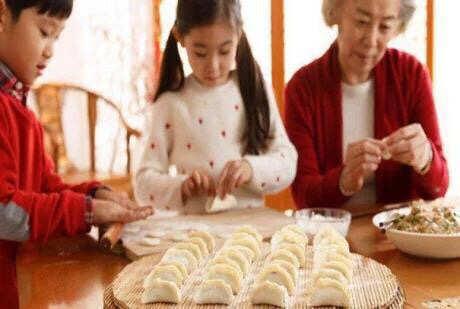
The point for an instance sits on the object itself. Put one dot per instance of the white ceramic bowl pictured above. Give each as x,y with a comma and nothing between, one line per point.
438,246
312,219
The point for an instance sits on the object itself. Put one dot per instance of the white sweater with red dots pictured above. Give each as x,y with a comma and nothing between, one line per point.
200,128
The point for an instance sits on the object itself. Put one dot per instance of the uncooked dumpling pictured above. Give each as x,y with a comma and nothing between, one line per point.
161,291
214,291
330,273
248,242
200,243
293,272
166,273
330,292
297,250
180,267
244,235
326,256
238,257
222,259
192,247
270,293
250,230
184,257
208,239
227,274
277,274
286,255
341,267
286,237
294,228
216,204
248,253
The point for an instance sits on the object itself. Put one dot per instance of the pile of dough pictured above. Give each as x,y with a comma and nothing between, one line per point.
332,269
164,282
216,204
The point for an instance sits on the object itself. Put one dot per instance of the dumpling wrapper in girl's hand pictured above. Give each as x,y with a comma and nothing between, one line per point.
216,204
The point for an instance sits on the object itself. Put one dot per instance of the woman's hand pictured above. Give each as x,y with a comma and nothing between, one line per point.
409,145
197,183
105,211
362,158
234,174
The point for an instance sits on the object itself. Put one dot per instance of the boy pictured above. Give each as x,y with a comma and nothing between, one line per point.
34,203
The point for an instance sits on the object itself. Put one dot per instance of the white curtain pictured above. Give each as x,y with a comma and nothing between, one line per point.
446,66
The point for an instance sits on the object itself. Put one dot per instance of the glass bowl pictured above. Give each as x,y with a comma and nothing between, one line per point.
311,220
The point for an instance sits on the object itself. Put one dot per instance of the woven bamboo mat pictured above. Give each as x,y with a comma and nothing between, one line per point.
109,299
373,286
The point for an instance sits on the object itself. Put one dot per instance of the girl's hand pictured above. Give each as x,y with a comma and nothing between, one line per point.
362,158
108,212
197,184
409,145
234,174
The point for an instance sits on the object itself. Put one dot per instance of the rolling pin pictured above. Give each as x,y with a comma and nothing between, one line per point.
112,235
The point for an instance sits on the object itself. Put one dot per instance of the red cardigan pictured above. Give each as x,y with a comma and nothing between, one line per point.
34,203
403,95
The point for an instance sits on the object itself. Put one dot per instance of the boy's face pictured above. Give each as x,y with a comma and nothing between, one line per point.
26,44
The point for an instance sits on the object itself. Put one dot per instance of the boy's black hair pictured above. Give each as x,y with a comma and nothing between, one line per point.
54,8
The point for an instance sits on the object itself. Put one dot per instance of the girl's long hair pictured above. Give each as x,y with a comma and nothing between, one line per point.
196,13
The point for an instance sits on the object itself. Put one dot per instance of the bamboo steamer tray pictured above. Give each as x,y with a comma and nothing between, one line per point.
109,299
373,285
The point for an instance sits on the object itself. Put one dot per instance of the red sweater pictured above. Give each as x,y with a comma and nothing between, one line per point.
403,95
34,203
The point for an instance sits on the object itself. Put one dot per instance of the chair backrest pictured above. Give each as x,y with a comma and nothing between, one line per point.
50,100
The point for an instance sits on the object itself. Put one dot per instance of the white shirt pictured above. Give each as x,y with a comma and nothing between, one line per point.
358,124
201,128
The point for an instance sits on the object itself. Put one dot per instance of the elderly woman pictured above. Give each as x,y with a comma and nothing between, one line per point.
362,116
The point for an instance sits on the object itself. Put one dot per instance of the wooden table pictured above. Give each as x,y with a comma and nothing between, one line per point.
72,273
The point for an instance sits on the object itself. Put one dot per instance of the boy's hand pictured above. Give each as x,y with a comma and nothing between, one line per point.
117,197
197,184
234,174
109,212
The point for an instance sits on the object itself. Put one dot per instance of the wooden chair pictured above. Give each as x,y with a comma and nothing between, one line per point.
50,100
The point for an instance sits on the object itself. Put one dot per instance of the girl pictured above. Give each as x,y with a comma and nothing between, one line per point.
219,126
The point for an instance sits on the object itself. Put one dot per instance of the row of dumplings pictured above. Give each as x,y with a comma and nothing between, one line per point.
278,277
228,269
332,269
164,282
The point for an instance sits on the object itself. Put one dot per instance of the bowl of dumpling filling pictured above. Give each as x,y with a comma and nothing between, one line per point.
426,229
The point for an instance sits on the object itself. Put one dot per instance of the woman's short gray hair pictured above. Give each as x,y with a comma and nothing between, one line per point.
330,8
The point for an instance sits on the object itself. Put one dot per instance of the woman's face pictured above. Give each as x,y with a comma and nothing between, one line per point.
365,28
